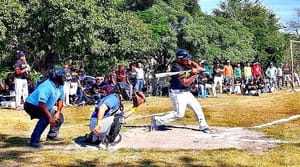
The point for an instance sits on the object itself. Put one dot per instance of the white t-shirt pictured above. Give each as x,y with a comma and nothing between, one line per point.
140,73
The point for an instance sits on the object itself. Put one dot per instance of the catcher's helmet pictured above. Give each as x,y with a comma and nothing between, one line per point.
183,54
57,74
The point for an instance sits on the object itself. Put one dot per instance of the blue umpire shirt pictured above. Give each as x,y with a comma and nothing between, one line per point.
46,93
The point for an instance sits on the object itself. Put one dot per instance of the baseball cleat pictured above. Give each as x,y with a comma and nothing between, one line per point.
206,130
153,125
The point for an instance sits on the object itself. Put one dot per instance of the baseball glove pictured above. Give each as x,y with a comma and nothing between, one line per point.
138,99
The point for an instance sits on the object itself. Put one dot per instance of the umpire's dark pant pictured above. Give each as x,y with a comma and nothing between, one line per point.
35,112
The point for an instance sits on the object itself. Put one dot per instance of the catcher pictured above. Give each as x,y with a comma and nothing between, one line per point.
107,118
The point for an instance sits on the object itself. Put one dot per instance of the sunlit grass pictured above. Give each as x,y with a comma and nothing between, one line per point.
226,111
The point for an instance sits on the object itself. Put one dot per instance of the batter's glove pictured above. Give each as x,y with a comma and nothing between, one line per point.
138,99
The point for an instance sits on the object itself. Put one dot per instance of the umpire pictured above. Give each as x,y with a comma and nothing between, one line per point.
40,105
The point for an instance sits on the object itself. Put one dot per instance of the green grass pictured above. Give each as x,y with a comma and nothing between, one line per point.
226,111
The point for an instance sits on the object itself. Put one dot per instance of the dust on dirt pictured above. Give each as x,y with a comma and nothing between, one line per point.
188,137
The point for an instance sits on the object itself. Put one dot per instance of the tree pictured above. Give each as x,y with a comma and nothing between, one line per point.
294,24
262,23
52,32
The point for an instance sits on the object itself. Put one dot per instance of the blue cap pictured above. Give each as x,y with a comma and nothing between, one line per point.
20,53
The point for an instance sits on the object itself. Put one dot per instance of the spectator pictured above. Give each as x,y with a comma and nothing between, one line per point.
247,73
203,78
121,74
194,89
228,74
139,76
237,89
279,76
131,80
80,87
22,70
271,73
260,83
286,70
10,84
218,78
256,70
74,82
296,78
67,85
237,71
96,88
86,90
112,77
251,88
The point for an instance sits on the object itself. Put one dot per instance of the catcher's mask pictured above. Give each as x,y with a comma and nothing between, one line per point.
57,74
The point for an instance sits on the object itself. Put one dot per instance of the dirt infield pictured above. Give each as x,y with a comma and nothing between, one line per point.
187,137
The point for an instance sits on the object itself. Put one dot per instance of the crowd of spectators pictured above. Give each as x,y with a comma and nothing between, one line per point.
222,77
250,79
84,89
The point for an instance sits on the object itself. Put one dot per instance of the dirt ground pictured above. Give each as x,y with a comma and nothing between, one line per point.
187,137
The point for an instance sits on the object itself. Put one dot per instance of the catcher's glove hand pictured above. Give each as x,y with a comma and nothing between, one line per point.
138,99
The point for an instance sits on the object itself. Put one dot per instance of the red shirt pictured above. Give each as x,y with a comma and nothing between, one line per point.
121,76
256,70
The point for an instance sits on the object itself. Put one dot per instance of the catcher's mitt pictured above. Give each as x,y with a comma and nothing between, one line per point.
138,99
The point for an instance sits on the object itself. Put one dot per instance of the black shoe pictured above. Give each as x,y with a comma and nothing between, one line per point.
36,145
49,138
162,128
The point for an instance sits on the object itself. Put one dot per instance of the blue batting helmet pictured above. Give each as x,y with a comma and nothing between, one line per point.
183,54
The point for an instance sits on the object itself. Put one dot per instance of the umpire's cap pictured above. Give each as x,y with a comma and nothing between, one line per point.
183,54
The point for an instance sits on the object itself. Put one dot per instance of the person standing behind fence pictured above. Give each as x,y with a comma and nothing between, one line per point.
139,76
22,70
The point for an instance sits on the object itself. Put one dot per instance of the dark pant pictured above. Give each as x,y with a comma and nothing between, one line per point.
35,112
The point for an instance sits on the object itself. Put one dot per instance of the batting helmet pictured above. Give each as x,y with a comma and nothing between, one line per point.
183,54
57,74
20,53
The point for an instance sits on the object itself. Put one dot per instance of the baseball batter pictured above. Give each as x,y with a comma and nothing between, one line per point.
179,92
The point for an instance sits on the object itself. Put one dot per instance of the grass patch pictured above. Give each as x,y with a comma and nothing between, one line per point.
226,111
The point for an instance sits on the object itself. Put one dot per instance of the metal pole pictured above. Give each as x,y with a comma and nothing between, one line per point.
291,47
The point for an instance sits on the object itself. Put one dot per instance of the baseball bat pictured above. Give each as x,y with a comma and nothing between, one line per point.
168,74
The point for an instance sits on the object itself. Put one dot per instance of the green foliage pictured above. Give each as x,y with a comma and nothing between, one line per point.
268,42
100,34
